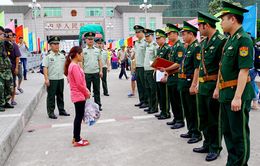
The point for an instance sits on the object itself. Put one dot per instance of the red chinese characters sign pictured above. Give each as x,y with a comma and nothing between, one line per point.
66,25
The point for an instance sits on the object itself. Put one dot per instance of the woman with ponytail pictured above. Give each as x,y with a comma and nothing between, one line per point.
79,92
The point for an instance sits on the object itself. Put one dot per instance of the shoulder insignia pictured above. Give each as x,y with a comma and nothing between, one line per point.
239,35
221,37
243,51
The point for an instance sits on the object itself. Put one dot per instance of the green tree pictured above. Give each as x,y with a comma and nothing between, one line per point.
215,5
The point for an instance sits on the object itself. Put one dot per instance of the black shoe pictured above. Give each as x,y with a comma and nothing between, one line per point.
147,110
52,116
202,149
2,109
152,112
171,123
7,105
211,156
194,140
177,125
144,105
162,117
100,109
157,115
187,135
138,105
64,113
106,94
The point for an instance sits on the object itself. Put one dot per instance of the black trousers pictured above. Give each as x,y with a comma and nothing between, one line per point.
79,114
122,72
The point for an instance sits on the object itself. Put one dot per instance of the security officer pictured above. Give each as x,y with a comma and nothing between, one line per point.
92,65
6,78
188,83
163,51
177,52
105,63
139,48
53,70
211,48
235,90
150,84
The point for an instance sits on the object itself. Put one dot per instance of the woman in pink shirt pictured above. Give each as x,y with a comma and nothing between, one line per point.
78,90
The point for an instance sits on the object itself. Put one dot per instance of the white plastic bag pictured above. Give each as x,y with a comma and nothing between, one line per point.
92,113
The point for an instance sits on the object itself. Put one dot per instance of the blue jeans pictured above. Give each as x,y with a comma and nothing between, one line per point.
24,63
253,73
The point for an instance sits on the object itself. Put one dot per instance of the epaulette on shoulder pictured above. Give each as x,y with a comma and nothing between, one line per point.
239,35
154,44
221,37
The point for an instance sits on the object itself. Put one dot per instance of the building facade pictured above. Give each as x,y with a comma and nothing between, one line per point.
64,17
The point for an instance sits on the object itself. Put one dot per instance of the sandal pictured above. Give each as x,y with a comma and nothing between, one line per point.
20,90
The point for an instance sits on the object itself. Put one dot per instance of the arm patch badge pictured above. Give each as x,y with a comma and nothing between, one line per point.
243,51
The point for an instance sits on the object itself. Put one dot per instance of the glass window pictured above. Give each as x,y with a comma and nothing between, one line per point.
131,23
52,12
110,11
142,22
94,11
152,23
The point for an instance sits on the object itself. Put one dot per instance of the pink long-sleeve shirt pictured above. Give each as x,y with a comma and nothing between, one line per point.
78,88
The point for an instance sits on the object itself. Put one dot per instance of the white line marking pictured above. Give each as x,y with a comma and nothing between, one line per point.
61,125
143,117
10,115
106,121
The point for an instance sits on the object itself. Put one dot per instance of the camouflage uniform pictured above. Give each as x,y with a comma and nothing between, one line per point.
6,78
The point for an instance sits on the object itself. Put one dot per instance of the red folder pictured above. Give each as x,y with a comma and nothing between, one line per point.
163,63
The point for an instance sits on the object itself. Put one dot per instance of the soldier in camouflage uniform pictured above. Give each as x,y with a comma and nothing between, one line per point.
6,77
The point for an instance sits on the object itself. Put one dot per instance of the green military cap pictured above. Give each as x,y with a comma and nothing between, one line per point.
89,35
54,39
99,40
148,32
160,33
171,28
189,27
229,8
207,18
138,28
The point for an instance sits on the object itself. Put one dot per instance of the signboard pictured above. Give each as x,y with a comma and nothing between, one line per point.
68,25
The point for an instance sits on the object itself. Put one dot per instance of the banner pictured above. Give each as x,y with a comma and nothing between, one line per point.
2,19
249,23
30,37
26,36
34,42
19,32
11,26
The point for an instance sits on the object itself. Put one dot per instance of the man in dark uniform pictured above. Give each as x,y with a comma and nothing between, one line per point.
139,49
188,83
163,51
235,90
53,70
92,65
177,52
209,115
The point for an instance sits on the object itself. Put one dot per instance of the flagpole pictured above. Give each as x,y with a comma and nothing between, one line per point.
256,21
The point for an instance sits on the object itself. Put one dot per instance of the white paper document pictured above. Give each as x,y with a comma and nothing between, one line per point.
159,75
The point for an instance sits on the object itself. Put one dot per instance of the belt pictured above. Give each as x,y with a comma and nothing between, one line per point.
208,78
230,83
185,76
